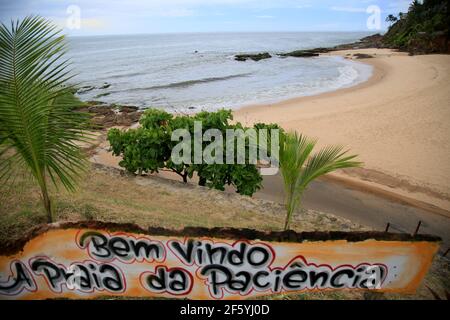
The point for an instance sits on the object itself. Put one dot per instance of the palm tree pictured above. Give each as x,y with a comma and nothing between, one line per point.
38,129
391,18
299,167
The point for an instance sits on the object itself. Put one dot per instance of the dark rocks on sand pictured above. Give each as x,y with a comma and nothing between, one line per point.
100,109
254,57
128,109
106,116
94,102
362,56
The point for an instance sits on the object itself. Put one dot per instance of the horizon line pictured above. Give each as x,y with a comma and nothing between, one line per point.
225,32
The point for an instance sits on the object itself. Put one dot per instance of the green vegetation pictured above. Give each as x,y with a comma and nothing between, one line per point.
424,29
38,130
299,167
149,149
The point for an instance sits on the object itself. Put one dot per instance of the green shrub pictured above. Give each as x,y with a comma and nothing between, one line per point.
149,148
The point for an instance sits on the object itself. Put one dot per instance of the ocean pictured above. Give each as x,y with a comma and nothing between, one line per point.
192,72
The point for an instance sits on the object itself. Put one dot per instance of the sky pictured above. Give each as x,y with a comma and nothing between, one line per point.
102,17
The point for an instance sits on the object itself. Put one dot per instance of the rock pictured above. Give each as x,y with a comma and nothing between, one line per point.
101,110
362,56
109,116
373,41
300,54
375,38
102,95
124,120
254,57
94,102
128,109
85,89
105,85
320,50
305,53
104,116
135,116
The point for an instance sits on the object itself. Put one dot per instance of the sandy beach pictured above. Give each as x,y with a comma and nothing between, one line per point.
397,122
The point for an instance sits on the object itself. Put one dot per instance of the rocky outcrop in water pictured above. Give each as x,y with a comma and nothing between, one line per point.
85,89
254,57
305,53
373,41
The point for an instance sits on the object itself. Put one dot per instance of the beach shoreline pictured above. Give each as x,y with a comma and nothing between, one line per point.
319,116
385,120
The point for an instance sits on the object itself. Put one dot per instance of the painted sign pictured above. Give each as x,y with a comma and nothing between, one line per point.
95,259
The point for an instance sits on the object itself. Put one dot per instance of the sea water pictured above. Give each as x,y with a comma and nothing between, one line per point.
192,72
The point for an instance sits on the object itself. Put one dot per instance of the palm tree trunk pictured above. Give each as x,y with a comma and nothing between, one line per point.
288,211
47,201
48,206
292,204
286,223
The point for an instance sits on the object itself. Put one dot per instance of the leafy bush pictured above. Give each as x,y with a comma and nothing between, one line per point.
149,149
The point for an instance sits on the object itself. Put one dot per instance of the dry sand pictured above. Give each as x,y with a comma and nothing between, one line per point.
398,122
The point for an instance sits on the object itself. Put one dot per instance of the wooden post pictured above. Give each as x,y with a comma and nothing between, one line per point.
417,228
445,253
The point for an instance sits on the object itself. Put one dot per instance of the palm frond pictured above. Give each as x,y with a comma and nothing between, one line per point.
35,119
299,168
325,161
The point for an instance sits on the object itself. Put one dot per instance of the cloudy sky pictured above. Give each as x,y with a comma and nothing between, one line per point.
161,16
